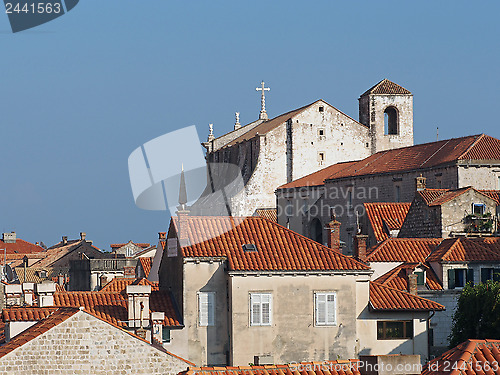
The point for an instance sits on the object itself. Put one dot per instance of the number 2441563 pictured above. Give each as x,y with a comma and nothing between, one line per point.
32,8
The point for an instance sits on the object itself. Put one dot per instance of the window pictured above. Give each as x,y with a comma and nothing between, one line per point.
458,277
321,134
317,230
165,334
324,308
394,330
129,252
321,156
398,193
498,182
490,274
390,121
206,308
420,277
260,309
478,208
321,109
249,247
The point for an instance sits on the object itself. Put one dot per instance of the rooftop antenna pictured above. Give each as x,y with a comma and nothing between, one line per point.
437,133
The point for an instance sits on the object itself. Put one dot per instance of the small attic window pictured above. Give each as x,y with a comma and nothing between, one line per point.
249,247
478,208
42,274
321,108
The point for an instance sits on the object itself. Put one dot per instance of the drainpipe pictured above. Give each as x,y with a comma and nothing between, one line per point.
428,323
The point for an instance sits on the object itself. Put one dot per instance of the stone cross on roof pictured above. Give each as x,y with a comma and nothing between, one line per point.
263,114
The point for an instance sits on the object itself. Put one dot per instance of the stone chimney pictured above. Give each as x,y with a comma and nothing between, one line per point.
61,279
103,280
64,240
157,326
162,236
333,229
9,237
182,212
83,235
420,183
412,283
28,293
138,305
45,293
360,246
13,294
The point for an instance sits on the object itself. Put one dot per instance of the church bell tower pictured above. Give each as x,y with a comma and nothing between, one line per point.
387,109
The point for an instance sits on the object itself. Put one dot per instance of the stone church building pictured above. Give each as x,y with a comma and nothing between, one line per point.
273,152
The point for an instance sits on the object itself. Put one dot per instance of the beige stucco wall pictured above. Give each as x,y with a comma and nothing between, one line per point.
13,329
84,344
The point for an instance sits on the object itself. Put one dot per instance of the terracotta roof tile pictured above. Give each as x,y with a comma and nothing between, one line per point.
119,284
146,264
493,194
412,250
484,148
391,215
469,358
2,332
55,318
56,252
118,245
277,248
420,156
318,178
20,247
390,299
386,87
461,249
398,277
16,314
348,367
268,213
113,306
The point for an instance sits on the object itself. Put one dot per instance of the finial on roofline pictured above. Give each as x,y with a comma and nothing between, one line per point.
237,124
263,114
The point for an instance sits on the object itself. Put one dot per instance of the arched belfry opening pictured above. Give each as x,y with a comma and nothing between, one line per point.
391,121
316,230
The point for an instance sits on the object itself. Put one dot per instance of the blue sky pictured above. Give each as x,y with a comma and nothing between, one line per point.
80,93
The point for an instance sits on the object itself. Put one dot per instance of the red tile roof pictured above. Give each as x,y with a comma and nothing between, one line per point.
113,306
350,367
58,251
493,194
57,317
268,213
398,277
278,248
318,178
430,195
2,332
20,247
469,358
146,264
422,156
386,87
390,299
381,215
412,250
461,249
119,284
26,313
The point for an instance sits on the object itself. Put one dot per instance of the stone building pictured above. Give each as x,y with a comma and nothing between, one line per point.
73,341
306,205
440,268
251,290
273,152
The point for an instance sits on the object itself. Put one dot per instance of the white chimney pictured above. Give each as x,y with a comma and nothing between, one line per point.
28,292
138,305
13,294
9,237
45,292
157,319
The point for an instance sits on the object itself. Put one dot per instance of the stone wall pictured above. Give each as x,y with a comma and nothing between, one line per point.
84,344
421,221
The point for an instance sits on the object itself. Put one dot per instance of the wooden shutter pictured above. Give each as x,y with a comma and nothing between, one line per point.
330,308
255,309
470,276
266,309
320,308
451,279
206,308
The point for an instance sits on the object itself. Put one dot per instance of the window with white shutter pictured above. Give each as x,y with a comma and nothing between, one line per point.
206,308
260,309
325,306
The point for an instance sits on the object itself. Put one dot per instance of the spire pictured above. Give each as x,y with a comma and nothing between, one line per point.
237,124
182,191
263,113
211,133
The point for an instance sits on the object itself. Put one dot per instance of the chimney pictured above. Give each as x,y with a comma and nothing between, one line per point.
83,235
360,246
45,292
333,228
182,212
420,183
138,305
64,240
60,279
157,326
412,283
103,280
162,236
13,294
129,272
28,293
9,237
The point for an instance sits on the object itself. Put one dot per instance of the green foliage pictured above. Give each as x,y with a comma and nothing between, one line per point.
478,313
479,223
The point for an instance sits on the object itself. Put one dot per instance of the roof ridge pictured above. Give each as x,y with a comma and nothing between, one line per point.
407,293
479,136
